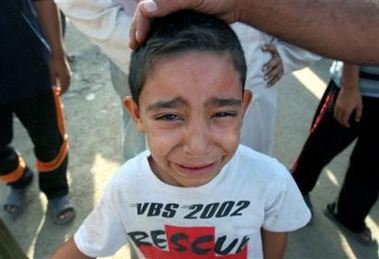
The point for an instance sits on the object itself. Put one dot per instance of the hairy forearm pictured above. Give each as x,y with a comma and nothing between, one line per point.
340,29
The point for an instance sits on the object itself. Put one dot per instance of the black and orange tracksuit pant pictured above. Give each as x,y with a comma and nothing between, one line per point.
42,117
327,139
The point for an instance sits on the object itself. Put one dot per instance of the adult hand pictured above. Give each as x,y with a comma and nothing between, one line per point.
273,69
147,10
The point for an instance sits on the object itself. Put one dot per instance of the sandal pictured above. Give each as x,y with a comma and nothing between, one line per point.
16,199
62,209
363,237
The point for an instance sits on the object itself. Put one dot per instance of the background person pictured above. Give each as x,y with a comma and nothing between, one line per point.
33,73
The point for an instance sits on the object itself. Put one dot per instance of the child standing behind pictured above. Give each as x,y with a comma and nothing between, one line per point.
196,191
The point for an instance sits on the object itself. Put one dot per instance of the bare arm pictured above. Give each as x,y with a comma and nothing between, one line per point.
274,244
340,29
69,250
48,15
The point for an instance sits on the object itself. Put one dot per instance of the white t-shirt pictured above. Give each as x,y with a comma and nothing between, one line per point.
221,218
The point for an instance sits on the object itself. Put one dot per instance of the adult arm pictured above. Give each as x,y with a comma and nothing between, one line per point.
339,29
69,250
349,99
48,15
105,23
274,244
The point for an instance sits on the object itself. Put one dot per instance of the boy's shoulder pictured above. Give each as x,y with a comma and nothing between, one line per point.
134,165
250,160
244,152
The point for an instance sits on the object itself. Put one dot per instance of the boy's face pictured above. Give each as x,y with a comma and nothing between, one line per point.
191,109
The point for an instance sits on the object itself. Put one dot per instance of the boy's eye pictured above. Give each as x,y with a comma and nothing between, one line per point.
168,117
224,114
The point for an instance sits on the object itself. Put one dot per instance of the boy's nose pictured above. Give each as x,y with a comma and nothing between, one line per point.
197,139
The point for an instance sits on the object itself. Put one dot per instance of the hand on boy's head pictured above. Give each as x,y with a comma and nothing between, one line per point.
147,10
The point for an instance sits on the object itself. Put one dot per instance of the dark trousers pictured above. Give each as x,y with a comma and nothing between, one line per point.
42,117
327,139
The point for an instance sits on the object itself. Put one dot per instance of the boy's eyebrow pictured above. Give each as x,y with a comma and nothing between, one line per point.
217,102
166,104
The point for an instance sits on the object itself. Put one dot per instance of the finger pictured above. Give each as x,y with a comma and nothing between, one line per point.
341,118
275,72
270,48
273,81
358,114
271,64
345,120
146,11
64,84
139,28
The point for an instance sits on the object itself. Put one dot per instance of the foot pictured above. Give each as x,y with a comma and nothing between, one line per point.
364,237
62,209
16,199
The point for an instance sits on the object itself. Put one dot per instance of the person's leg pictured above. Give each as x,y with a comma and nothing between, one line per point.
8,156
13,170
327,139
42,116
133,140
43,119
361,185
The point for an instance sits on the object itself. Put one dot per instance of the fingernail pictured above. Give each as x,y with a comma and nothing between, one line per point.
150,6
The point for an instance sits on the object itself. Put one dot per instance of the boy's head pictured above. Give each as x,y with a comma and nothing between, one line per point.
180,33
187,84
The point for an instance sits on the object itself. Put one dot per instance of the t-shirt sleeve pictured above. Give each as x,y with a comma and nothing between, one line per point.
285,207
102,232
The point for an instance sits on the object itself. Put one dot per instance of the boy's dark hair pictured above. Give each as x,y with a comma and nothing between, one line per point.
181,32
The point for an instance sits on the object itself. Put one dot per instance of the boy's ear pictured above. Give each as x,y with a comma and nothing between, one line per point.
134,112
246,99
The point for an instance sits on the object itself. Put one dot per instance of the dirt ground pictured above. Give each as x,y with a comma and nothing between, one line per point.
93,122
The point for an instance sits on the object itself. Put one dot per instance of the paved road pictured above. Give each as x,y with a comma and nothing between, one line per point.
92,104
